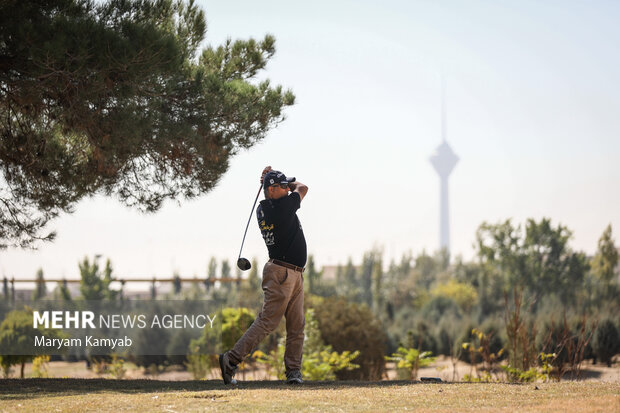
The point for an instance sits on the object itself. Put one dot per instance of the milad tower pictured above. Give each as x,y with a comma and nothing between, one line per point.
444,160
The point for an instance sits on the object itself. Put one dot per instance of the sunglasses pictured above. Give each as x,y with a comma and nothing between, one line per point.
283,186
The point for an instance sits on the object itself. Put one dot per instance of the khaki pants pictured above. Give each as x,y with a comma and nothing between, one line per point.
284,296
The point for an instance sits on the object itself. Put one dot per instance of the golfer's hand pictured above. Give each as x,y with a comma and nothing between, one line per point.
267,169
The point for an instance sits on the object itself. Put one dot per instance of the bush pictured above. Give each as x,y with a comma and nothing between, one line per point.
569,342
439,307
144,347
235,321
320,362
462,293
16,332
489,332
447,335
117,367
200,364
421,338
350,327
606,341
39,366
177,346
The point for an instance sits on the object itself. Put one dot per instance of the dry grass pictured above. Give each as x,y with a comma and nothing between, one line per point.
73,395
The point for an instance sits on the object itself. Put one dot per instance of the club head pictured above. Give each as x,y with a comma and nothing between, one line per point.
243,264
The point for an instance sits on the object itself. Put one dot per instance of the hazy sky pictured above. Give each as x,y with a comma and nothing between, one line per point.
533,109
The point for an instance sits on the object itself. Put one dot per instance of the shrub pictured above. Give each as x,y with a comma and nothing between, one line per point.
147,342
200,364
274,361
462,293
486,337
440,306
320,362
483,347
16,332
117,367
39,366
177,346
350,327
516,375
421,338
568,342
235,321
606,341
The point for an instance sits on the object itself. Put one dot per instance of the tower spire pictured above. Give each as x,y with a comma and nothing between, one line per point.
444,132
444,160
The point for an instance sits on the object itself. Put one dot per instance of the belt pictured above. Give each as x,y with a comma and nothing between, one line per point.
287,265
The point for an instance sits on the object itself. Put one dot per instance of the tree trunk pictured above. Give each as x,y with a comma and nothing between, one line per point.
21,375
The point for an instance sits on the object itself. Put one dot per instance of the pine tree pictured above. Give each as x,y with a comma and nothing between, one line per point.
251,293
116,98
606,258
312,276
347,281
253,278
95,285
40,289
211,273
61,292
377,288
604,264
227,287
176,283
5,288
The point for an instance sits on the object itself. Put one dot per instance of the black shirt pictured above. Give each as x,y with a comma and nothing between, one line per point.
282,230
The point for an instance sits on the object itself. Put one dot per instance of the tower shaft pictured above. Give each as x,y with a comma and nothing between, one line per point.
444,216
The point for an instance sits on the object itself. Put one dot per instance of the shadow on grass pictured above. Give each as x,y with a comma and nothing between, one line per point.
15,389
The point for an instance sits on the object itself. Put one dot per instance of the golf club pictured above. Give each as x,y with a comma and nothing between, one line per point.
244,263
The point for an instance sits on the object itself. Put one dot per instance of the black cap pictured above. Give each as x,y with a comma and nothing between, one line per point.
276,177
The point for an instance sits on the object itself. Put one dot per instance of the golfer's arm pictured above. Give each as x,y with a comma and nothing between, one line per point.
300,188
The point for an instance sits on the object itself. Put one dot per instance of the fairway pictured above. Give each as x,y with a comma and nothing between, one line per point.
63,395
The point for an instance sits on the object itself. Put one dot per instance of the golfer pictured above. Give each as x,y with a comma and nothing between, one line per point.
283,282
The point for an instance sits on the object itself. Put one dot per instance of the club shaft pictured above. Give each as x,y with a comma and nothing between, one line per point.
249,219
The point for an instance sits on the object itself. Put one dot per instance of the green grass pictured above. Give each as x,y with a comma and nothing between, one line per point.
77,395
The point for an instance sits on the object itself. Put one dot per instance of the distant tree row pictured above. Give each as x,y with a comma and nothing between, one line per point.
431,302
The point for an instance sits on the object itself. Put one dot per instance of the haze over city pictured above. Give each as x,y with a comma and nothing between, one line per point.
532,112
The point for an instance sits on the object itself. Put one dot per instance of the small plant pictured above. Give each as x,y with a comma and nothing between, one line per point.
482,347
154,369
516,375
521,336
199,365
569,344
546,361
324,365
99,366
532,374
320,362
39,366
274,361
577,346
411,359
484,378
117,367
